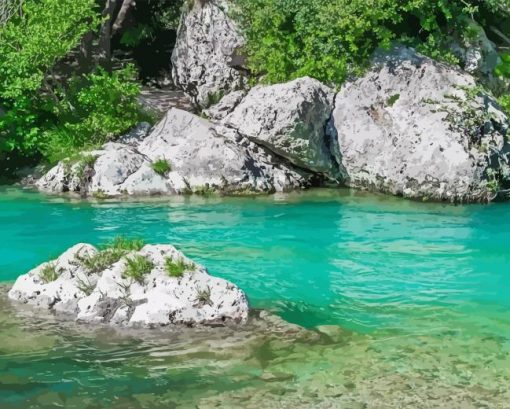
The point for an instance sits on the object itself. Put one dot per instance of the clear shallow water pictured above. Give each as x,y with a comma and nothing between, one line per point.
421,293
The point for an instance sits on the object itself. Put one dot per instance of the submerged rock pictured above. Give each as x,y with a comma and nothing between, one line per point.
290,120
82,284
205,53
420,129
197,156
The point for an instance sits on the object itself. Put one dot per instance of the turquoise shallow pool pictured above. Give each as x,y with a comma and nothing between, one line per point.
420,291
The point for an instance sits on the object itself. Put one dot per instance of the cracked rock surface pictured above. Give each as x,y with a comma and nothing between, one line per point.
109,296
417,128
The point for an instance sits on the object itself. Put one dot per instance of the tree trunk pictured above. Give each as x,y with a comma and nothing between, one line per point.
85,58
105,35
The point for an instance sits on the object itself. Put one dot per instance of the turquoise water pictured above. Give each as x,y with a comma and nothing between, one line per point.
419,292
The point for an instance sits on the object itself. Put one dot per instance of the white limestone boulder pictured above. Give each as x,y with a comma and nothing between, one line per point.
290,120
202,157
417,128
109,296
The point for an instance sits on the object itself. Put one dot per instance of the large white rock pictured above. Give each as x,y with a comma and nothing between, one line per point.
290,119
111,298
203,158
202,154
414,127
202,60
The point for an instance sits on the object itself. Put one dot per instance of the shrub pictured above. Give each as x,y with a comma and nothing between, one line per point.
161,167
48,273
177,268
93,110
137,268
30,47
331,40
50,113
504,101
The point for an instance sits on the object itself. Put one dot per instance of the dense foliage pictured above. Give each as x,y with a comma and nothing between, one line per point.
46,110
331,39
94,109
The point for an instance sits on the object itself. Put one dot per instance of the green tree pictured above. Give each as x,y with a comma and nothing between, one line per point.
49,108
332,39
30,47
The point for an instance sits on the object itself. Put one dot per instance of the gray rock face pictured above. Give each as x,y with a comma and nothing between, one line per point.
136,135
477,53
201,157
110,296
227,104
204,155
207,41
290,119
415,127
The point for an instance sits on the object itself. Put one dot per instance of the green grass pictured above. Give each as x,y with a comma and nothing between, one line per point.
85,286
392,100
49,273
161,167
101,260
204,296
204,190
177,268
124,243
100,195
110,253
137,268
83,161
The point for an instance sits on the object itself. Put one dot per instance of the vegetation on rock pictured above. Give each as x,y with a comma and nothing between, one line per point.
177,268
161,167
49,273
137,268
110,254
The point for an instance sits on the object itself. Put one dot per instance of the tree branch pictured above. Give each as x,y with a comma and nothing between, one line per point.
121,17
500,34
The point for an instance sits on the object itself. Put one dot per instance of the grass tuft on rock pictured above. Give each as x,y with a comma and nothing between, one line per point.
85,286
177,268
101,261
137,268
110,254
126,244
161,167
49,273
204,296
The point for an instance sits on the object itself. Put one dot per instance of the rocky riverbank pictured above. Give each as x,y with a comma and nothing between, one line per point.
410,126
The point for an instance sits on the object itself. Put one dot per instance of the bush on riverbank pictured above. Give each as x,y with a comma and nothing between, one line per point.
52,107
330,40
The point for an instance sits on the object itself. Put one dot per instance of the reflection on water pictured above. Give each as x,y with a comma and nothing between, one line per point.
405,304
